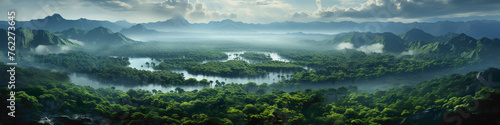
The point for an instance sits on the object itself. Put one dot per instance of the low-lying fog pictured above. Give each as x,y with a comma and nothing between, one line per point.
242,37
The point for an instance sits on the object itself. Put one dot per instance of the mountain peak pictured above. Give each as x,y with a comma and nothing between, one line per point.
55,16
179,19
101,30
416,35
138,26
415,30
463,41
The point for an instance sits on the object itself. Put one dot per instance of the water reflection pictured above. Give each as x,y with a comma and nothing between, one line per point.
272,77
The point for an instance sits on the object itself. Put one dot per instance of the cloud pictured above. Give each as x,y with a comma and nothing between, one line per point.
318,3
342,46
411,8
409,52
49,49
300,15
77,42
255,11
117,4
373,48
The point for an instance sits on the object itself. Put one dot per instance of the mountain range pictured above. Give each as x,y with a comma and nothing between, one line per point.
57,23
419,42
97,36
44,41
476,28
138,29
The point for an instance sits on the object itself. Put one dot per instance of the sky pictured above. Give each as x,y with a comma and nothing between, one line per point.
258,11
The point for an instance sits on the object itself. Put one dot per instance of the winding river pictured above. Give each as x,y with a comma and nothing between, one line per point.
140,63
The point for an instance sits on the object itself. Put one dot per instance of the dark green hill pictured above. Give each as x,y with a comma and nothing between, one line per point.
462,45
28,40
417,35
445,38
73,33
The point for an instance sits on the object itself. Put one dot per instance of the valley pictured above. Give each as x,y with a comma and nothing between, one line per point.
175,72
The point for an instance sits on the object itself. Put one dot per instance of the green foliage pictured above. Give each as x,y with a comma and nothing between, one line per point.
256,56
245,103
333,66
110,68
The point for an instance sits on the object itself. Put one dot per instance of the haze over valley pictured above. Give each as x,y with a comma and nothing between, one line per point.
252,62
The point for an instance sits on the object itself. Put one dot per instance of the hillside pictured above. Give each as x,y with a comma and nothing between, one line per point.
97,36
462,45
419,42
417,35
38,41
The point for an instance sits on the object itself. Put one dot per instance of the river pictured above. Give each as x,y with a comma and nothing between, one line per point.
140,63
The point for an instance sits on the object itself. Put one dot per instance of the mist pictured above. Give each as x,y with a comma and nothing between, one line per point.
51,49
373,48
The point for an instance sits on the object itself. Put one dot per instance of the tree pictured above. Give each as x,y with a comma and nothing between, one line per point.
179,90
154,91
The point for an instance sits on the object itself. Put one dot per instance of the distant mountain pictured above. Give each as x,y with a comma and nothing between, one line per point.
56,23
462,45
124,23
138,29
229,25
445,38
418,42
391,42
38,40
417,35
176,22
476,28
96,36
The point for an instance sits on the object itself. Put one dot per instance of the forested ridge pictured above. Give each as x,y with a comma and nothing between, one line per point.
50,92
332,66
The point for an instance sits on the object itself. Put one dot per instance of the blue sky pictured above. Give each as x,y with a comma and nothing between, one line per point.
259,11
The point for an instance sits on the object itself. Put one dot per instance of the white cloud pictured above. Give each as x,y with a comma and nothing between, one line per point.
342,46
410,8
409,52
254,11
374,48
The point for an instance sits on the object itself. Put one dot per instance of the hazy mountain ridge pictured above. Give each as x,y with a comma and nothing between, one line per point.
138,29
418,42
56,23
476,28
96,36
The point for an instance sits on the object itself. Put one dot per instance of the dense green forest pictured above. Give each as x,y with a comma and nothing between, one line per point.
50,92
194,51
242,68
332,66
256,56
107,68
329,66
